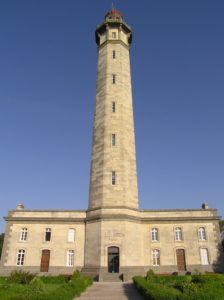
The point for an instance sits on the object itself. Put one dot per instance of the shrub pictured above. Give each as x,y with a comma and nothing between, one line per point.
36,286
150,275
54,279
154,291
196,287
76,274
37,290
22,277
186,287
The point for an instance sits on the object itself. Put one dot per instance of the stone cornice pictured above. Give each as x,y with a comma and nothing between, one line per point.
47,220
45,210
104,213
152,219
113,42
112,207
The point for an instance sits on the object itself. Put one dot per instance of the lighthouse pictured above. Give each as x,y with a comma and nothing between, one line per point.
113,180
112,239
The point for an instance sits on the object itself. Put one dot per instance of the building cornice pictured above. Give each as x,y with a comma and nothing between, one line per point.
108,217
46,220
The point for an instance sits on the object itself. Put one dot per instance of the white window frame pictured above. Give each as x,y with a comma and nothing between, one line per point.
201,234
70,258
23,234
113,177
178,234
204,256
45,234
155,234
155,257
20,257
71,235
113,139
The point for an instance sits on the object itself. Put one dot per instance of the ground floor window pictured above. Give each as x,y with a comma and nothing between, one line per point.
155,257
20,257
70,258
204,256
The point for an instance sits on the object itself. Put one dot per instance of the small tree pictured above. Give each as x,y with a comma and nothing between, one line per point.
1,243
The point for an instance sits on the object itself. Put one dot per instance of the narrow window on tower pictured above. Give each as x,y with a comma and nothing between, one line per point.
113,107
114,35
114,54
113,139
113,78
113,177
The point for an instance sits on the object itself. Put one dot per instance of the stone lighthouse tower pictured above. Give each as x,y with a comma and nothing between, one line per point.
113,195
113,181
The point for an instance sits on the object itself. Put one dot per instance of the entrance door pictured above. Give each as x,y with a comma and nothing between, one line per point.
113,260
181,264
45,259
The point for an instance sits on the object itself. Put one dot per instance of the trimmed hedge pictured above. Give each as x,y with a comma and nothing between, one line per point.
38,290
196,287
154,291
54,279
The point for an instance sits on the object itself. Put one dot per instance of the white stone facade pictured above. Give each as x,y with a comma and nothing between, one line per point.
58,242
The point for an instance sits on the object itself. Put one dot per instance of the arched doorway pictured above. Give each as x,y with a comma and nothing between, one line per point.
113,259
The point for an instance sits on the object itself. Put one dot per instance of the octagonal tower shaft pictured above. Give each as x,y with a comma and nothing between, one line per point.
113,178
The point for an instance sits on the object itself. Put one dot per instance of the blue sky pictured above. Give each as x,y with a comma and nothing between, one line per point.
48,60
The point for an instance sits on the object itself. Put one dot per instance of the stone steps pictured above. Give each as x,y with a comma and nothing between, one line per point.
111,277
111,291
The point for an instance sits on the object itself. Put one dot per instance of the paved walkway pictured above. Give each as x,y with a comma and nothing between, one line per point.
111,291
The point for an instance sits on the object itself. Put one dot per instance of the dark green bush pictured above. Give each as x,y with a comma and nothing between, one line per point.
154,291
22,277
186,287
54,279
196,287
150,275
37,290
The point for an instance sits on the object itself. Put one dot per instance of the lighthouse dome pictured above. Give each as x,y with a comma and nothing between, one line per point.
113,15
